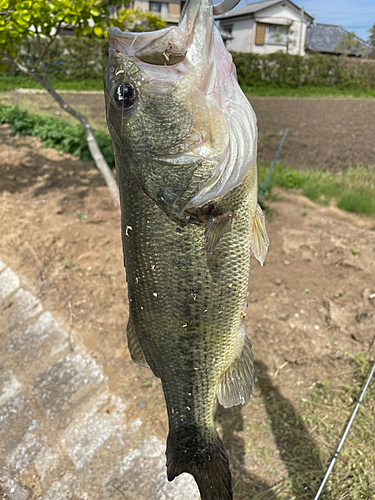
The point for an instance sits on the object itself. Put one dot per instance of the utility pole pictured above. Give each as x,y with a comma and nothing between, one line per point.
301,30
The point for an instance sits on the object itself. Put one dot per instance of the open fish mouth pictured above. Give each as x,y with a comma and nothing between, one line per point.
169,46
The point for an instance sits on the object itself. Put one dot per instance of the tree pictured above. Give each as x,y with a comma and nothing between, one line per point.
43,20
372,41
350,45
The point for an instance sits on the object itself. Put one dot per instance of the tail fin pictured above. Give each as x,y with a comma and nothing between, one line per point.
209,467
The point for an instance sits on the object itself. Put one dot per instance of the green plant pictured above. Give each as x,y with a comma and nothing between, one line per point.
353,190
28,33
56,133
280,70
292,179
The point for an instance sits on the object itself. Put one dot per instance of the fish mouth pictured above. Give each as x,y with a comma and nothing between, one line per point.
191,39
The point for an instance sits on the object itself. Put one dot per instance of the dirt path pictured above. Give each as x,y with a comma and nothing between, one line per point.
313,299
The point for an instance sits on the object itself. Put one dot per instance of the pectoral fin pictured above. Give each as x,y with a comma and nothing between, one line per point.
237,382
217,227
135,349
259,238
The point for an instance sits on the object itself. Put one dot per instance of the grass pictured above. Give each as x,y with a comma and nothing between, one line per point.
308,436
307,92
352,190
11,82
91,106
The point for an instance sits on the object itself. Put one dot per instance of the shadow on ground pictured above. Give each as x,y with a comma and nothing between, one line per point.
297,449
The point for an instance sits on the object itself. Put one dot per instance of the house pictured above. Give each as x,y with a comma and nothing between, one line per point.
327,38
267,26
168,10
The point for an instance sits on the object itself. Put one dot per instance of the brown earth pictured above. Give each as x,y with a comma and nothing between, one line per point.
313,299
327,134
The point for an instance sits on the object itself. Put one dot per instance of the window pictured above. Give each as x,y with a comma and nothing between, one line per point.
228,28
272,34
276,34
159,8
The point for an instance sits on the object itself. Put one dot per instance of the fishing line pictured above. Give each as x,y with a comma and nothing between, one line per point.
273,164
344,436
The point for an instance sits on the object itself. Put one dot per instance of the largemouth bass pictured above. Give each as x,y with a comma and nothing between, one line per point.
184,138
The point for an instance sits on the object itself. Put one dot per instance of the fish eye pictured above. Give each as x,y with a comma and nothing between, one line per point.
125,95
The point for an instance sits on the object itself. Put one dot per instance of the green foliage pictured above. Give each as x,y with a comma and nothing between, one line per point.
68,58
65,58
137,20
353,190
360,202
350,44
306,91
292,179
26,82
56,133
42,18
372,35
292,71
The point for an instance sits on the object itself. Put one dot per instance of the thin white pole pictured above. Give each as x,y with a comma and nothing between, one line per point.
344,436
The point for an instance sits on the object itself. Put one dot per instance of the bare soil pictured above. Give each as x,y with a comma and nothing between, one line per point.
329,134
311,300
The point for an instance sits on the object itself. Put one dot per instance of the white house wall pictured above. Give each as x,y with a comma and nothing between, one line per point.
280,14
241,33
142,5
244,34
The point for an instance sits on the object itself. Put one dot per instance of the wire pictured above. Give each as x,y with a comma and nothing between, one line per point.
344,436
273,164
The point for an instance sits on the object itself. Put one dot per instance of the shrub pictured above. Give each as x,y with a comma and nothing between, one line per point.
291,71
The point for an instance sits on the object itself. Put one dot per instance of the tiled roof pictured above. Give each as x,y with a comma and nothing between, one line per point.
325,37
252,8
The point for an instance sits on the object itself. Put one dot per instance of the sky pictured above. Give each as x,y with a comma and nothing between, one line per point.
353,15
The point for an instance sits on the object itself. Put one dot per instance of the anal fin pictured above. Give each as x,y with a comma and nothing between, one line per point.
134,346
237,382
259,238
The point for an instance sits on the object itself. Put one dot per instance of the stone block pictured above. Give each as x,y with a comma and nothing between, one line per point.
16,416
66,488
142,474
62,386
93,429
28,448
9,387
9,283
20,309
39,345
